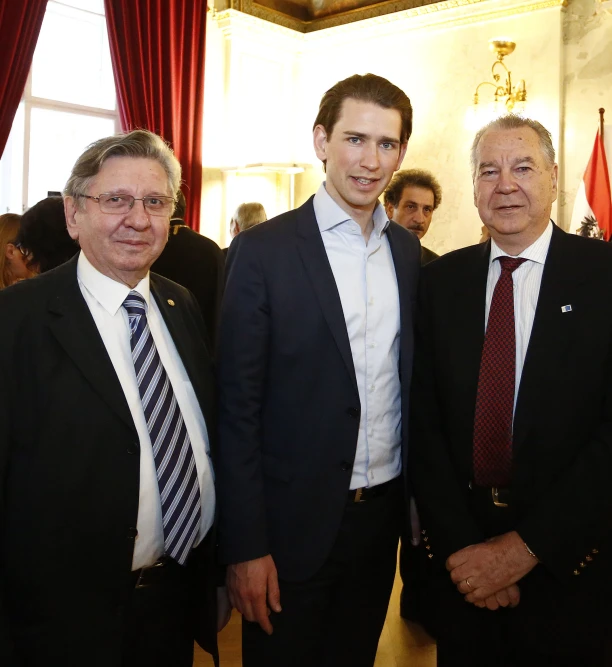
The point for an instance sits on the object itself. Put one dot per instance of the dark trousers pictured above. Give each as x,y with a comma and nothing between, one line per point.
334,619
159,621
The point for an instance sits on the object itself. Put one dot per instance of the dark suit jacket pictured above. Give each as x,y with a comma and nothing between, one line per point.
69,475
290,406
562,451
427,255
197,263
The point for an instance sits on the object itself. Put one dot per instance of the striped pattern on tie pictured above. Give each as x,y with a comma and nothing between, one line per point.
176,470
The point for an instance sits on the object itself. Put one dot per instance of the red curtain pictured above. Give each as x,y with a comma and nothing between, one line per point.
20,22
157,49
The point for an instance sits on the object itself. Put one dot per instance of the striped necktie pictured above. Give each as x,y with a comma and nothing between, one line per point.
176,470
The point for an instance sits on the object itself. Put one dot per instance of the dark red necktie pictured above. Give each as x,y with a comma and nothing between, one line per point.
495,397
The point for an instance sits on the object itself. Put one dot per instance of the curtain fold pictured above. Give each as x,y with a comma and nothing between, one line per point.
20,23
157,50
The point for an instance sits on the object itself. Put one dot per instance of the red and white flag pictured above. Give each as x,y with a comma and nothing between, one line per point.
593,202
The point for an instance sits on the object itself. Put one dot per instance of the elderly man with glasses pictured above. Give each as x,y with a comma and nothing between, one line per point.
107,501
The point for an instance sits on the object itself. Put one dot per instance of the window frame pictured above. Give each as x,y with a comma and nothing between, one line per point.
31,102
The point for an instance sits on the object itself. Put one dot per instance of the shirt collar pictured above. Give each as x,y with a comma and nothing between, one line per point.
109,293
329,214
536,252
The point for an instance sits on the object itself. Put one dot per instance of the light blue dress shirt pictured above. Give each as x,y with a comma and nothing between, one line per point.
367,284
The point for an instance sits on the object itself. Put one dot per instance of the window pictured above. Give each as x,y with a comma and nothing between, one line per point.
69,101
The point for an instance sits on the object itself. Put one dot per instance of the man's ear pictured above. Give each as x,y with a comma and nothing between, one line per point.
70,211
319,140
389,208
10,250
555,180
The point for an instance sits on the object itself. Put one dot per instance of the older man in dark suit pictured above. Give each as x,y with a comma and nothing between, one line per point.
512,473
315,365
106,427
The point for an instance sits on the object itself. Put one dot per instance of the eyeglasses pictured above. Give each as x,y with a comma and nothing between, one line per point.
110,202
24,251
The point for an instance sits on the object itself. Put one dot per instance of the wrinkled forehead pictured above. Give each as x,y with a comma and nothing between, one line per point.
132,174
418,194
498,144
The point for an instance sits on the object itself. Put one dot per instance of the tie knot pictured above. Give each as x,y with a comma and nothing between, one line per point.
135,304
510,264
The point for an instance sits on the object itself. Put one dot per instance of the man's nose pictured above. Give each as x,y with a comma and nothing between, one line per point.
418,215
369,156
138,216
506,182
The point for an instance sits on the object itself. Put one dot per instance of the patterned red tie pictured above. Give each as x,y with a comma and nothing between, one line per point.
495,397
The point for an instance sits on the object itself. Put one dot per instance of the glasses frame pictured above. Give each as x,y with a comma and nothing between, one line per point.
25,253
134,200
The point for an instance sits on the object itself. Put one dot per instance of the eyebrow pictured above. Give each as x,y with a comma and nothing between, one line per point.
362,135
125,191
529,160
416,203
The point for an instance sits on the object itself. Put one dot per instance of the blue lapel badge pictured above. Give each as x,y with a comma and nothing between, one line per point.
566,309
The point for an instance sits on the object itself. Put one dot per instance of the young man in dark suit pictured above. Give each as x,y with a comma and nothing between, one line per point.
315,366
106,431
511,471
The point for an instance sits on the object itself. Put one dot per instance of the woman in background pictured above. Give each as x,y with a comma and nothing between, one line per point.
13,262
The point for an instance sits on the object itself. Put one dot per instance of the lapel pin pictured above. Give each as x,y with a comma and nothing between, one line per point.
171,303
566,309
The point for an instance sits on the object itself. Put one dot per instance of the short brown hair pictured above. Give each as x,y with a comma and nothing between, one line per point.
415,177
365,88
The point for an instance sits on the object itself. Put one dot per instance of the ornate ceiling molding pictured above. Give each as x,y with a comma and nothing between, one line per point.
381,17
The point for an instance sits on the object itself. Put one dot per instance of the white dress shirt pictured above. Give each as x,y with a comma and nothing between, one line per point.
105,297
526,279
367,283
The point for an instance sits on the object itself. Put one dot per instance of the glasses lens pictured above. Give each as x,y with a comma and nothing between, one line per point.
159,205
111,203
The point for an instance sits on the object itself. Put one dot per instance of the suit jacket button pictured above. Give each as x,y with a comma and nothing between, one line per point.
345,466
353,412
132,533
133,448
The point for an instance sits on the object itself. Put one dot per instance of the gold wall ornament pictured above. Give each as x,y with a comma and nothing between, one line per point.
514,97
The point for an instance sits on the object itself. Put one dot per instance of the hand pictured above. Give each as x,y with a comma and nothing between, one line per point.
252,586
224,608
507,597
481,570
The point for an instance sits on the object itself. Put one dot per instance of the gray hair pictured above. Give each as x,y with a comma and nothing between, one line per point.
249,214
134,144
514,122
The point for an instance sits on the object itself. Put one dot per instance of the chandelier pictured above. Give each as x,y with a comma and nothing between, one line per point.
512,96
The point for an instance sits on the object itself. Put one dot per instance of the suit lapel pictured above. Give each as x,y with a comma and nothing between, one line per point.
191,349
552,333
406,295
319,271
75,330
467,300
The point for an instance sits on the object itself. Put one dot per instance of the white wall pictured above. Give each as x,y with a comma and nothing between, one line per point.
264,83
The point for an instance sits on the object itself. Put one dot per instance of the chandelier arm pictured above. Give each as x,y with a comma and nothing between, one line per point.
487,83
